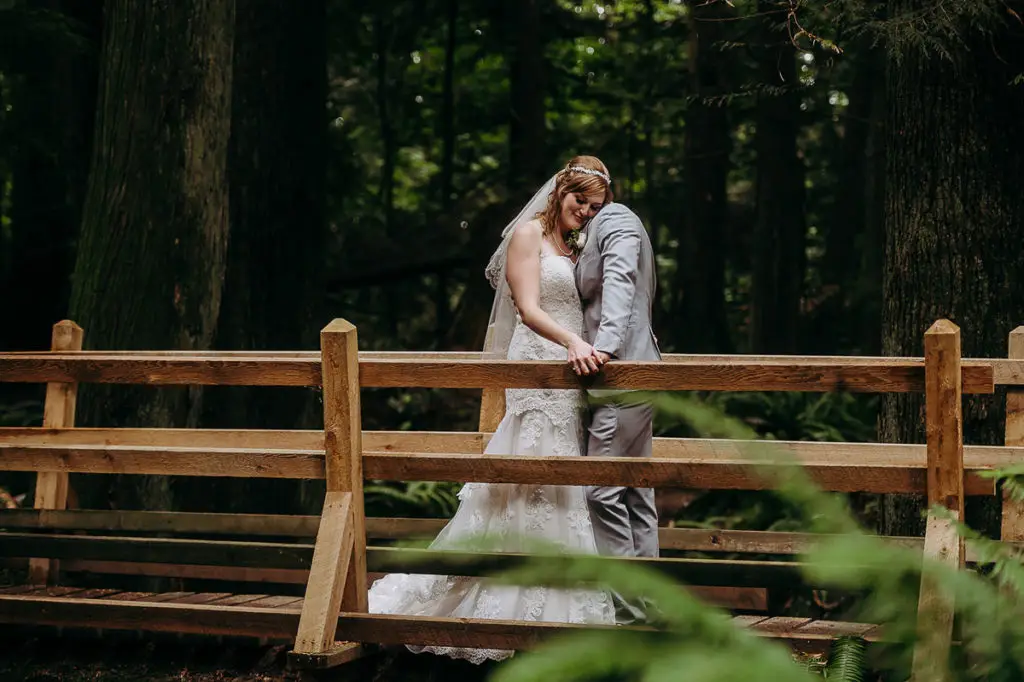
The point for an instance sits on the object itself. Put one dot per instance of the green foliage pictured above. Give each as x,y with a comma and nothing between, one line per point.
21,413
696,642
430,499
839,417
846,661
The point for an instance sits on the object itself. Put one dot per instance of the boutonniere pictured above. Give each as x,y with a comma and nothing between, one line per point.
576,240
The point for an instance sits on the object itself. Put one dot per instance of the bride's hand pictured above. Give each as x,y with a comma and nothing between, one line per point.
582,357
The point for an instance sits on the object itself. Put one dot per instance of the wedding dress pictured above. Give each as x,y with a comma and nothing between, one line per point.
537,422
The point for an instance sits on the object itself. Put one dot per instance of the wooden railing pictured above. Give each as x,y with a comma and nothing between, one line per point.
335,567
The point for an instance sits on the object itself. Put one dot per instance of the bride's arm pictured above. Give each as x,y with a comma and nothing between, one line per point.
523,274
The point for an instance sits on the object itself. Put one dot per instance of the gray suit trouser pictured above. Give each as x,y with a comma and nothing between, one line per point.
625,519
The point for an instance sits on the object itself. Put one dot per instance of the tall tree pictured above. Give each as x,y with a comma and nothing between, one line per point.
152,253
518,26
954,210
700,257
273,291
779,234
51,57
528,161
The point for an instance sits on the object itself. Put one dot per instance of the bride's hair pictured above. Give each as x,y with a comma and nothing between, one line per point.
574,179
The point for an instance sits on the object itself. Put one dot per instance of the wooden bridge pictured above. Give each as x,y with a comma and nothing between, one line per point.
333,555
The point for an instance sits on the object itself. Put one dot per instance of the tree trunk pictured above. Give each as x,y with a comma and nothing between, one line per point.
275,266
53,106
849,215
518,25
954,210
872,251
779,260
448,108
700,280
153,244
442,302
528,161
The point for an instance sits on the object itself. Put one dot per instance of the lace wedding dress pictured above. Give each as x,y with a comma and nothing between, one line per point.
540,422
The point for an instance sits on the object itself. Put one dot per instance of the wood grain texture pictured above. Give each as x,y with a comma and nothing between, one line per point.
150,616
338,654
694,472
703,572
1012,524
733,597
58,413
181,523
683,375
231,574
810,374
459,632
232,560
712,465
944,417
492,409
329,570
935,608
473,442
212,619
157,550
99,459
384,528
344,453
379,441
1006,371
98,367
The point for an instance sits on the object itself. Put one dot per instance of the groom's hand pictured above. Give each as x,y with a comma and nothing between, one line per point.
602,356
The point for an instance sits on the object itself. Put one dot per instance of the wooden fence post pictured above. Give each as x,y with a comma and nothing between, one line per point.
492,400
337,576
944,424
58,413
1013,512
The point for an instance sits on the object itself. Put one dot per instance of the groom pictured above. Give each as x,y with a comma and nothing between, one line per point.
615,275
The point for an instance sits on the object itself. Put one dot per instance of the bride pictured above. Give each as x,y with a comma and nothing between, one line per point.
536,316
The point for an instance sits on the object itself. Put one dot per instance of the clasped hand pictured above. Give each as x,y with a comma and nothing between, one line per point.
584,359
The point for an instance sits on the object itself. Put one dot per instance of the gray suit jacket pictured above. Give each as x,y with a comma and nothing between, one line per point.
616,278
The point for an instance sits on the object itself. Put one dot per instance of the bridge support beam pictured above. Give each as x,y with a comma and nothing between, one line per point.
337,576
945,448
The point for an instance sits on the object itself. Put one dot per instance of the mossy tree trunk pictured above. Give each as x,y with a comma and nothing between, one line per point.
274,283
54,103
779,261
954,215
701,254
151,257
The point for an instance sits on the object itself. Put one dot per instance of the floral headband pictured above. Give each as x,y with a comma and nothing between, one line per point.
589,171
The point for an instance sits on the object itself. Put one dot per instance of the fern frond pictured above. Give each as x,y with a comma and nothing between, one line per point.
846,660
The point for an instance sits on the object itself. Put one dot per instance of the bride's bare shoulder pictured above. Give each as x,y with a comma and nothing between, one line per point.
529,232
532,228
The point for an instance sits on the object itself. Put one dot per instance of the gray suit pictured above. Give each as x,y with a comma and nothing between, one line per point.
615,275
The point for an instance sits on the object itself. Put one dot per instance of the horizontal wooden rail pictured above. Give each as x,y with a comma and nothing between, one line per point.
157,550
147,616
117,459
473,442
711,540
297,557
380,441
736,598
1006,371
807,374
383,629
706,472
182,523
